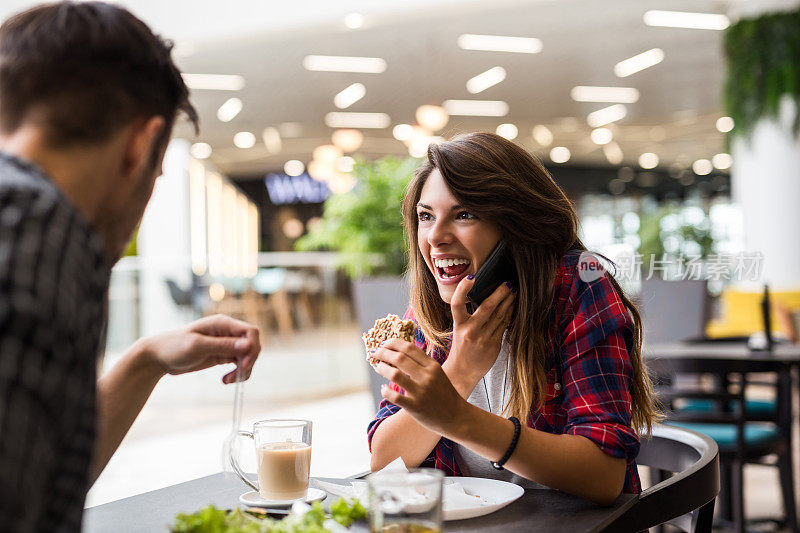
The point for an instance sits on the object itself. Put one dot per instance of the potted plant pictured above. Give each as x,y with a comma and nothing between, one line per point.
762,96
763,71
366,226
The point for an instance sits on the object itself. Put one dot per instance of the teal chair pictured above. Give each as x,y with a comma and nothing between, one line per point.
745,431
754,407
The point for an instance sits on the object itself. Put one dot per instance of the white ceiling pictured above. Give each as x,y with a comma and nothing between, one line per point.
265,41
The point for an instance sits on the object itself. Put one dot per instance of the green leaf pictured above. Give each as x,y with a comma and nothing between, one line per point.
213,520
763,66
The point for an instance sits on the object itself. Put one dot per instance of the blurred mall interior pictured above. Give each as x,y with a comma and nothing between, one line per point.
626,102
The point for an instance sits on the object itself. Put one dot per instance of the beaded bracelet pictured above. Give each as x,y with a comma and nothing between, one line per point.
517,428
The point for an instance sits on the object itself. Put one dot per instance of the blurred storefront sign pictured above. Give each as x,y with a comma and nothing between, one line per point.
287,190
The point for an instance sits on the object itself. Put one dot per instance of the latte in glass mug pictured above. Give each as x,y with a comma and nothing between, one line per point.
283,469
283,453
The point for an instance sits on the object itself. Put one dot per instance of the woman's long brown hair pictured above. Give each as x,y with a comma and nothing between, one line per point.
500,182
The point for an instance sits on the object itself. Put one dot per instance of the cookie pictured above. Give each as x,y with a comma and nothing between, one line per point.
390,327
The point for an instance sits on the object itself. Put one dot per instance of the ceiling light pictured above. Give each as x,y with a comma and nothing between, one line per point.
419,146
200,150
313,223
560,154
613,153
403,132
500,43
432,117
341,183
349,96
542,135
607,115
216,291
648,160
601,136
507,131
347,140
244,139
722,161
477,108
639,62
724,124
340,119
702,167
345,163
354,21
416,132
625,95
292,228
368,65
681,19
487,79
321,171
214,82
327,154
272,140
229,109
293,167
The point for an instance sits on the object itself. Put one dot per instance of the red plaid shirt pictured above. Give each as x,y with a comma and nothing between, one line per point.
589,378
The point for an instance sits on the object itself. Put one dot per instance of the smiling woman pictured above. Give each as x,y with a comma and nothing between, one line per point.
557,352
451,239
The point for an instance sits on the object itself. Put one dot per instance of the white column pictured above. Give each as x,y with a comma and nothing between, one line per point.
766,185
164,244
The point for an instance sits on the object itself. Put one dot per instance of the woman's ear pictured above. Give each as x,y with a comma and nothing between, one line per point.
141,146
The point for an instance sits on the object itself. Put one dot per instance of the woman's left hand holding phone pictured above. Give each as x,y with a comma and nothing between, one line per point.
477,338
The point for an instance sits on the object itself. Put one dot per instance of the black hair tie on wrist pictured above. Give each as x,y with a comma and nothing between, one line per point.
517,428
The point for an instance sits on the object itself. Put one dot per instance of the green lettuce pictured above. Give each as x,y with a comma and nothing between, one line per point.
213,520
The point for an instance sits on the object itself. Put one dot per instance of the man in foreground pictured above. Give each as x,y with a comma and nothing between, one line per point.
88,98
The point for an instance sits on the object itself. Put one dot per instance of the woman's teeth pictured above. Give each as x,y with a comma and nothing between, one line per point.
441,263
451,268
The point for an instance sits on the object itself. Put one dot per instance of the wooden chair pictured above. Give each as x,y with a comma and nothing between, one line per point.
744,435
684,500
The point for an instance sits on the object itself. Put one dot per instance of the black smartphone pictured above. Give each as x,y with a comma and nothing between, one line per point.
498,268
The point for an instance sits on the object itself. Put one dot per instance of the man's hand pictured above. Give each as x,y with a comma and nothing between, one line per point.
123,391
210,341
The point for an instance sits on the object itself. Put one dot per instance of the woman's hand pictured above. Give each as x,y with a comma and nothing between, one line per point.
477,337
429,396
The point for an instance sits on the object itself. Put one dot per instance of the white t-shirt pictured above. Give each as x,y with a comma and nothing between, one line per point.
490,395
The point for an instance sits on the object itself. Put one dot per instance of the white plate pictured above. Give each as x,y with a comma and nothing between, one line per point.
490,495
254,499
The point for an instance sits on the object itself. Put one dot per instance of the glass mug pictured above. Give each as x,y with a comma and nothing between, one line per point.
283,454
406,502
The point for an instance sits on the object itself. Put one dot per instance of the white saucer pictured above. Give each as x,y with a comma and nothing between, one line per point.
254,499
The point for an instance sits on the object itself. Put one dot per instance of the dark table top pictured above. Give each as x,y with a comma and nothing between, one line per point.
787,353
537,510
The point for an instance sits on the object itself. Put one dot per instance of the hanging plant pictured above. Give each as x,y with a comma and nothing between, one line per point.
763,60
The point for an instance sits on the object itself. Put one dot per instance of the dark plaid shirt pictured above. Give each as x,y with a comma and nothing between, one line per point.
53,282
589,378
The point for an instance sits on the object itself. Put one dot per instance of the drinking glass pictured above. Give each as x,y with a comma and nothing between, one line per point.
406,502
283,453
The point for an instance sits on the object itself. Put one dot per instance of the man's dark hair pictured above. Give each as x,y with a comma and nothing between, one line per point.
84,70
